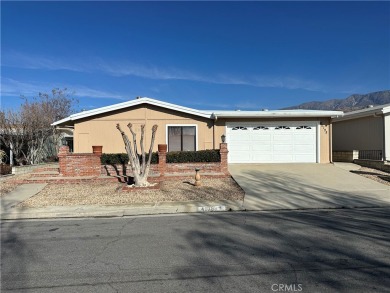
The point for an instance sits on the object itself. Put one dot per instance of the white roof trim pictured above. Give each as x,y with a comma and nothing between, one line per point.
202,113
277,114
374,111
132,103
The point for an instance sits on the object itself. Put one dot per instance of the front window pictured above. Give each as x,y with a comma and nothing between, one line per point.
181,138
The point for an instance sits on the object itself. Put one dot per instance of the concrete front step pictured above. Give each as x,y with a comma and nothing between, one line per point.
47,169
76,179
60,179
45,174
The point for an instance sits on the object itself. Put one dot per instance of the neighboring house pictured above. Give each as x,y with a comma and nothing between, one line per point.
366,131
50,146
252,136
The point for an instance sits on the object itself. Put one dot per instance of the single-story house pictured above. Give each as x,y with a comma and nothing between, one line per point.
366,131
252,136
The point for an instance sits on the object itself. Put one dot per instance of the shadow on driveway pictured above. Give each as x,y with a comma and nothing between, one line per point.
305,186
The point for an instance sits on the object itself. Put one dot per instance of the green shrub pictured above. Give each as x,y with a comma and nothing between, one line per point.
194,156
113,159
172,157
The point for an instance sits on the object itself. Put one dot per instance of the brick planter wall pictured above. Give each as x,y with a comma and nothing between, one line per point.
166,169
75,165
79,165
169,169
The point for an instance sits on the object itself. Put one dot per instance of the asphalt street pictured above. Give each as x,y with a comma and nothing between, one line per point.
344,250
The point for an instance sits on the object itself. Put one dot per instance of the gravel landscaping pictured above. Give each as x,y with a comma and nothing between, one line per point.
103,193
374,174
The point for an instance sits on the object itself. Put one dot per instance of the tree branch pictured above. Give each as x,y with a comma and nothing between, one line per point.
130,126
129,151
154,129
143,166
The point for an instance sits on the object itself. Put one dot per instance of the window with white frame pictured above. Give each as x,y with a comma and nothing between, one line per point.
181,138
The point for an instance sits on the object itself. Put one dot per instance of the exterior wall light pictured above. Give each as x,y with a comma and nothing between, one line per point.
223,138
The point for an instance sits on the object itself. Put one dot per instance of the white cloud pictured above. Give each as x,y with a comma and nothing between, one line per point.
151,72
174,73
15,88
20,60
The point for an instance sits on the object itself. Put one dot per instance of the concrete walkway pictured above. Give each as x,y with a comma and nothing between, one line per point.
18,195
305,186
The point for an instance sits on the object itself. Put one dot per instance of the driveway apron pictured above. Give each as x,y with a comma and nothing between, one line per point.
305,186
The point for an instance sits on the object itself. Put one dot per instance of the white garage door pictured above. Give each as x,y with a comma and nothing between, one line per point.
276,142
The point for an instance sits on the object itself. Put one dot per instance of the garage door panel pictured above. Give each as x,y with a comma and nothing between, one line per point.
283,158
280,148
304,158
262,147
240,147
238,138
281,137
261,137
279,142
304,148
305,138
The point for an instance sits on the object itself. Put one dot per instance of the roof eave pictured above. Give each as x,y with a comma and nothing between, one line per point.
373,113
282,115
133,103
386,110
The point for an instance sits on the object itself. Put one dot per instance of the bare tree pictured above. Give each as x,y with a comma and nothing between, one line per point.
28,131
13,134
140,169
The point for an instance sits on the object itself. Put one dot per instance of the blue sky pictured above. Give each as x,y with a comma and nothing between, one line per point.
205,55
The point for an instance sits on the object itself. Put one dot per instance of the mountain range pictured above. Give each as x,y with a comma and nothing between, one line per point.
352,103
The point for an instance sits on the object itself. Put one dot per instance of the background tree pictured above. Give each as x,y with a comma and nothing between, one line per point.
140,169
28,131
12,134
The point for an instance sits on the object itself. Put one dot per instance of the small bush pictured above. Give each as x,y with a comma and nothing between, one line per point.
113,159
194,156
51,159
172,157
5,169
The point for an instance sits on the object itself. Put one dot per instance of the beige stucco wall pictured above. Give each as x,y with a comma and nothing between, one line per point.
358,134
101,130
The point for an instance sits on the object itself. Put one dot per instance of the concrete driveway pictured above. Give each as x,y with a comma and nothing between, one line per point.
302,186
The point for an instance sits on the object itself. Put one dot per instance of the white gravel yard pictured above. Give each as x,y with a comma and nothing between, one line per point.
374,174
103,193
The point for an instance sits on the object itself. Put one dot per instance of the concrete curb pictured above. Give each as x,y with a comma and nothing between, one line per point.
121,211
